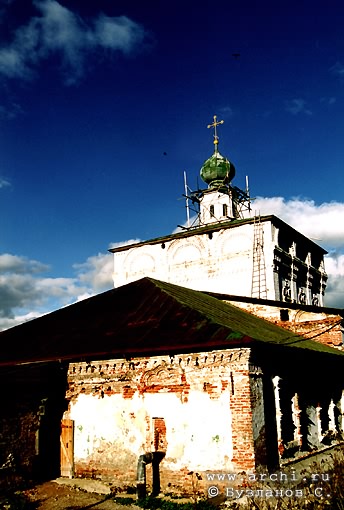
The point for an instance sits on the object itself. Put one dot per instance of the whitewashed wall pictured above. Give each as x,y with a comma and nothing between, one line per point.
222,262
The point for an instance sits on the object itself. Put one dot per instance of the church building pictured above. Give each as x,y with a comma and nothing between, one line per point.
212,354
227,249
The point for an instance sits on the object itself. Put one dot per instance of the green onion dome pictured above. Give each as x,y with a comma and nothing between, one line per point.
217,170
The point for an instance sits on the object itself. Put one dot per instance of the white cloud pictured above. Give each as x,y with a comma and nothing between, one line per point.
16,264
21,294
10,322
59,31
322,223
26,293
296,106
335,286
124,243
96,273
4,183
117,33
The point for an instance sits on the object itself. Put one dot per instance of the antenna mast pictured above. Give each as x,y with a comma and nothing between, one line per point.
248,194
187,201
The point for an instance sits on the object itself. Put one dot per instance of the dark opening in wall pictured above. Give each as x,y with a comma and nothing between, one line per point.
316,259
301,252
284,240
284,315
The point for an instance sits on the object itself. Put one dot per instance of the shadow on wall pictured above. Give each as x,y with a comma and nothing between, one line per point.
30,421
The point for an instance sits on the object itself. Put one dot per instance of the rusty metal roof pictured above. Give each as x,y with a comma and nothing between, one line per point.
142,318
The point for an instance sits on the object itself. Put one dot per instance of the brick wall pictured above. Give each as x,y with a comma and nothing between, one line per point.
326,331
196,408
320,327
18,428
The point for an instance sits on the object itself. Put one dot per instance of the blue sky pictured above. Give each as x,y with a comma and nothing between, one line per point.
104,104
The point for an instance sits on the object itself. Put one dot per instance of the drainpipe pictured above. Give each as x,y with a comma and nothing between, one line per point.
144,459
151,457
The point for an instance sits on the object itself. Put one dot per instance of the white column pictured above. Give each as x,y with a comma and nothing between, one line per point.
332,420
275,382
296,412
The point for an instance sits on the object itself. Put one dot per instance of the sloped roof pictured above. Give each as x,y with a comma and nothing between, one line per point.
330,310
221,225
142,318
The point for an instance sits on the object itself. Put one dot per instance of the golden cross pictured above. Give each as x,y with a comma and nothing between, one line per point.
214,125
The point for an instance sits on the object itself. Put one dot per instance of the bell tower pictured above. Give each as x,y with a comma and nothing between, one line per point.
219,201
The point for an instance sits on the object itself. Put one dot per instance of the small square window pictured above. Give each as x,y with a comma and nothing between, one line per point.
284,315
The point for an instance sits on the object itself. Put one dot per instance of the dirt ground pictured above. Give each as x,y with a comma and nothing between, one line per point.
75,494
55,496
